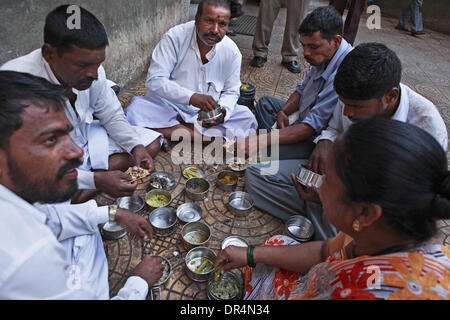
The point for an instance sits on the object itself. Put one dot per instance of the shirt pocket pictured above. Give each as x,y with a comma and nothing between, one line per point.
214,89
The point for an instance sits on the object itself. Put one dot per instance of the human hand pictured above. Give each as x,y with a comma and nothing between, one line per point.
282,120
319,155
150,269
305,193
114,183
234,257
215,123
204,102
137,227
142,158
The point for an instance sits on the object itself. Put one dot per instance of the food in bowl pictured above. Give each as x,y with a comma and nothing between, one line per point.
228,179
238,164
201,265
157,200
192,172
165,275
224,289
196,237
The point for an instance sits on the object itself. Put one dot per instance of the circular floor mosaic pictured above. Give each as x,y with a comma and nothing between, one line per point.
123,255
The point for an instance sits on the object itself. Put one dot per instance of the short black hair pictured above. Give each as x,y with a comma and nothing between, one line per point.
369,71
324,19
411,182
91,34
17,91
216,3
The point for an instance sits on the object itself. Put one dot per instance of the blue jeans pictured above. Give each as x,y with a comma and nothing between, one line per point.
413,14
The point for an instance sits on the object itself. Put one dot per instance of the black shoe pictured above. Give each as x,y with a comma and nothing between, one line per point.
292,66
231,33
417,33
258,62
400,27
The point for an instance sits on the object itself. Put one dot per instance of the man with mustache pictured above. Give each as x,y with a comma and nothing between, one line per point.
195,67
307,111
73,58
49,255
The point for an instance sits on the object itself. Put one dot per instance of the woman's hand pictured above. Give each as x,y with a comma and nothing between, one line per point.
235,257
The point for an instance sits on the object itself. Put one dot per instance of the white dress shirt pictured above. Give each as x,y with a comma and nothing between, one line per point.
413,108
99,101
58,255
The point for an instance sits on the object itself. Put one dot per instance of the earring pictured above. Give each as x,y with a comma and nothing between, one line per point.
356,225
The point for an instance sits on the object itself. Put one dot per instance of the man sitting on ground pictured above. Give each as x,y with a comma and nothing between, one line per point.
308,110
368,84
51,256
73,58
195,67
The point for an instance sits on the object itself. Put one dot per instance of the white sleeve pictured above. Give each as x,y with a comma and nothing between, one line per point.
135,288
335,125
164,60
108,110
232,85
72,220
85,180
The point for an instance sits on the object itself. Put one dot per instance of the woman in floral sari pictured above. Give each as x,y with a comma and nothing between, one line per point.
386,185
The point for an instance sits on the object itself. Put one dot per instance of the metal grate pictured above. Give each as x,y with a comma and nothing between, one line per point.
244,25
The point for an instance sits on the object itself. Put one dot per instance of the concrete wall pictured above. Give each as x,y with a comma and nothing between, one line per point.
436,13
134,27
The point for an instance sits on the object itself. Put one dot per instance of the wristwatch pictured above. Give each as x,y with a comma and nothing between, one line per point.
112,210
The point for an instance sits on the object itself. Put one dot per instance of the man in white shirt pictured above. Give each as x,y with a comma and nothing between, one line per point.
368,84
195,67
73,58
49,255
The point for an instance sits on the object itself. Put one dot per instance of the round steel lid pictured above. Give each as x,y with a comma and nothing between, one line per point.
189,212
234,241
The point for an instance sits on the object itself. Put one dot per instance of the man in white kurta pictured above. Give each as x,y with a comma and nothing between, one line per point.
177,73
110,134
53,254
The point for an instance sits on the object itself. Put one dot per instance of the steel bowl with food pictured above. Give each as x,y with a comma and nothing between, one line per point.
193,172
163,220
227,180
166,272
238,165
211,117
199,263
189,212
197,188
228,287
195,234
157,198
299,228
240,203
161,180
134,203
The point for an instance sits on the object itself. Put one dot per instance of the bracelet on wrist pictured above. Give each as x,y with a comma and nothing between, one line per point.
250,261
112,211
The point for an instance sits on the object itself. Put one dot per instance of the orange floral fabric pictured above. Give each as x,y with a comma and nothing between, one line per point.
422,273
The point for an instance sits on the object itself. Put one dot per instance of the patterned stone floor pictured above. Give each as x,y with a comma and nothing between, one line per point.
426,64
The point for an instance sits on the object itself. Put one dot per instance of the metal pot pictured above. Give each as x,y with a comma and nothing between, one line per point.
195,234
299,228
154,193
197,188
240,203
229,287
112,231
227,175
133,203
161,180
189,212
194,257
163,221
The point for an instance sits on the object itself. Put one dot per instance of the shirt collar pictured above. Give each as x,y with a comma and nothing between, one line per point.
23,206
327,72
194,45
401,114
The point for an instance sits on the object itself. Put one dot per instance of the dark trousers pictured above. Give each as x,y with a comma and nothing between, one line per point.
353,16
